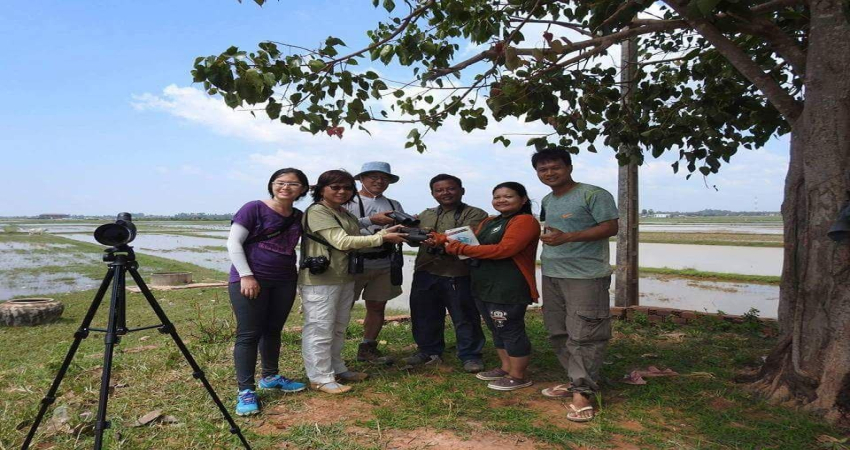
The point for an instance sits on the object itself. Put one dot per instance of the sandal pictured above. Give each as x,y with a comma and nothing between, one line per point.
559,391
580,414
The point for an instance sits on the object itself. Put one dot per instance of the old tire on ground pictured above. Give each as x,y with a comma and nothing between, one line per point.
30,311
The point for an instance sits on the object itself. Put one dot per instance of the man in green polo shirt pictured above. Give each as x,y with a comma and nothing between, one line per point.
579,218
441,282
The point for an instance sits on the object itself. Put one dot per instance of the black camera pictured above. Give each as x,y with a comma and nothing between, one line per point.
355,263
316,264
404,219
414,235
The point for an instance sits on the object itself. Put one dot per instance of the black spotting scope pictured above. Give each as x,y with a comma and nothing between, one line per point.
122,232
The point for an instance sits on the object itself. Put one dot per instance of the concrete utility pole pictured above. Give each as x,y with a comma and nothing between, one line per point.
627,276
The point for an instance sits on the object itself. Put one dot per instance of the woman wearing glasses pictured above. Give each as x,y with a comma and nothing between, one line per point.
263,281
327,287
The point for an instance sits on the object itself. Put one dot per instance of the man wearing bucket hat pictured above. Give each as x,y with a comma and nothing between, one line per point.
374,284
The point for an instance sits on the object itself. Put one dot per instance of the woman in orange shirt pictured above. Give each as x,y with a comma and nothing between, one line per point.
503,280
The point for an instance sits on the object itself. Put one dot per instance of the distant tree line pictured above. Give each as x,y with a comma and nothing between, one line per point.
708,213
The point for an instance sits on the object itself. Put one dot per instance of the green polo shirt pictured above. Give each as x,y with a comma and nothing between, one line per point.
435,219
583,207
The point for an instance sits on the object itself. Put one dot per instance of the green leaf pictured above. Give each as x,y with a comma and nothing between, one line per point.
316,65
506,142
232,100
389,5
386,54
273,109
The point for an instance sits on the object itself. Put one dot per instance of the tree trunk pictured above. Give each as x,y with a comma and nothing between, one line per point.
811,364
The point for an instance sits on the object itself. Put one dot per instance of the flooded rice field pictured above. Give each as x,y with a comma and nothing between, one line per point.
34,285
202,244
205,252
709,258
36,268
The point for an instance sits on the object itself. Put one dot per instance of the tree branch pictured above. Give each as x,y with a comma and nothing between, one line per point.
652,26
401,27
584,56
773,91
572,26
781,43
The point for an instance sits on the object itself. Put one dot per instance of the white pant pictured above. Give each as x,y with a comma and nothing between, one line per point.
327,310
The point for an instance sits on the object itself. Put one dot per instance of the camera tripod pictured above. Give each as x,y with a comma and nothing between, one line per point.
121,259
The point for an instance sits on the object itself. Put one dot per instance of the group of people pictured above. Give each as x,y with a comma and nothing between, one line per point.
350,248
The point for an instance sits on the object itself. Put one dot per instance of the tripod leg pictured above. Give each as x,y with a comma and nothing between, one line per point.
81,333
110,340
168,327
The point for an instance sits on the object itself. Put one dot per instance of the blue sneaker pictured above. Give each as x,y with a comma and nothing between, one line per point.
246,403
282,383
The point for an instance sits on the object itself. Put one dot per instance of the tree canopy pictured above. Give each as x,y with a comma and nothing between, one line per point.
731,70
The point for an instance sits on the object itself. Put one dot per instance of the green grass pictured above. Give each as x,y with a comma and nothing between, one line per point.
728,239
711,276
703,408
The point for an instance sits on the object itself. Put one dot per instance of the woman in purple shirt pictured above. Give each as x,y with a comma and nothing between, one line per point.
263,280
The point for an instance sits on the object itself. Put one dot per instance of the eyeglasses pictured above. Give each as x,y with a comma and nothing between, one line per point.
383,178
336,187
283,184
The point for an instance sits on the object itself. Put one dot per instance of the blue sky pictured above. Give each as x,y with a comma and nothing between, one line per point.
99,115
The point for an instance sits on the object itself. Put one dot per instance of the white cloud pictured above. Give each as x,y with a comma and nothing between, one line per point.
471,156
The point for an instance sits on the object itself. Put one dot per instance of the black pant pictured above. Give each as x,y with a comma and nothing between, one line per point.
430,297
507,323
259,323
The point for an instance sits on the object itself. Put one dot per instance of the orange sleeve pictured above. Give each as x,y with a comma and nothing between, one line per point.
521,231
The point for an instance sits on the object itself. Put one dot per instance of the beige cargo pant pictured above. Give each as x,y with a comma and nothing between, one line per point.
577,316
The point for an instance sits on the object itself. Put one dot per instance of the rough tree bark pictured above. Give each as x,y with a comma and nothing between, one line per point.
811,364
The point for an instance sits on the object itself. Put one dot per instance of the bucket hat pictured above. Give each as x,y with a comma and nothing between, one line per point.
377,166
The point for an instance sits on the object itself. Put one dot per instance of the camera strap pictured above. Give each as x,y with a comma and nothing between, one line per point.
363,210
294,218
309,235
458,212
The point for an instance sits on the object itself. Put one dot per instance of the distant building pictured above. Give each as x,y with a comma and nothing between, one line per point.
661,215
53,216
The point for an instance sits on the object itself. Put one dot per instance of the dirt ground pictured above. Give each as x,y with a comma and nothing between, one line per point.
353,411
